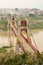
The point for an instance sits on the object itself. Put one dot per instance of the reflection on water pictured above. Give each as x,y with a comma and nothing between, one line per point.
38,37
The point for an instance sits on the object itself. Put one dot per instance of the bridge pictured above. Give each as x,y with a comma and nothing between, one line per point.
22,34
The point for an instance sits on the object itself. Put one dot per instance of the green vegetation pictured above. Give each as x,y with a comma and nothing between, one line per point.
3,49
36,22
3,24
36,17
26,58
36,25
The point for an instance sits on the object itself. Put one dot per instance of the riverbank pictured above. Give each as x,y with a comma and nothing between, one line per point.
5,33
36,30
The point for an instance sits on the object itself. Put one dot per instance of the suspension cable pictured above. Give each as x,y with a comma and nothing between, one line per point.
33,37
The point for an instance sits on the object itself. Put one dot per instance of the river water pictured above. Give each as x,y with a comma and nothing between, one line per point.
38,37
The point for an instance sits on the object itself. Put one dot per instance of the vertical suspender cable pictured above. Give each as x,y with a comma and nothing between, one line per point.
33,37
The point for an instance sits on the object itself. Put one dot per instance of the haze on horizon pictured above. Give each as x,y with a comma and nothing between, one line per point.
21,4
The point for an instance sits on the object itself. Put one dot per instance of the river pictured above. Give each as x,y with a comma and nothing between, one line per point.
38,37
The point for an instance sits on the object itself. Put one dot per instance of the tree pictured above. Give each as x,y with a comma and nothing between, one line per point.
31,15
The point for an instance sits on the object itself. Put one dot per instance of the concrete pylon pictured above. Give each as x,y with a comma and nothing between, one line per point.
11,34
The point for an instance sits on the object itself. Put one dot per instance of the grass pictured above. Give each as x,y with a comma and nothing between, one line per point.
32,23
3,24
36,18
26,58
3,21
36,25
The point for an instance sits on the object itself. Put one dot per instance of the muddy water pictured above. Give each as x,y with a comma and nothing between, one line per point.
38,37
4,41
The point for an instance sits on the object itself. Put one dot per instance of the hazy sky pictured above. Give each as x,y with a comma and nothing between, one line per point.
21,4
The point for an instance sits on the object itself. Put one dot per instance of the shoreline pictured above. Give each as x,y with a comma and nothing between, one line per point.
5,33
36,30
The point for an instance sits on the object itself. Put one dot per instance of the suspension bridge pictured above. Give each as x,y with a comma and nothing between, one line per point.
22,34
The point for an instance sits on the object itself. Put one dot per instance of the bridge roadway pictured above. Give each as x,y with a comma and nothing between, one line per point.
23,42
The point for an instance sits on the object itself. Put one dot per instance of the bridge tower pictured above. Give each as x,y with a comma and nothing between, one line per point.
23,28
22,34
11,21
24,31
